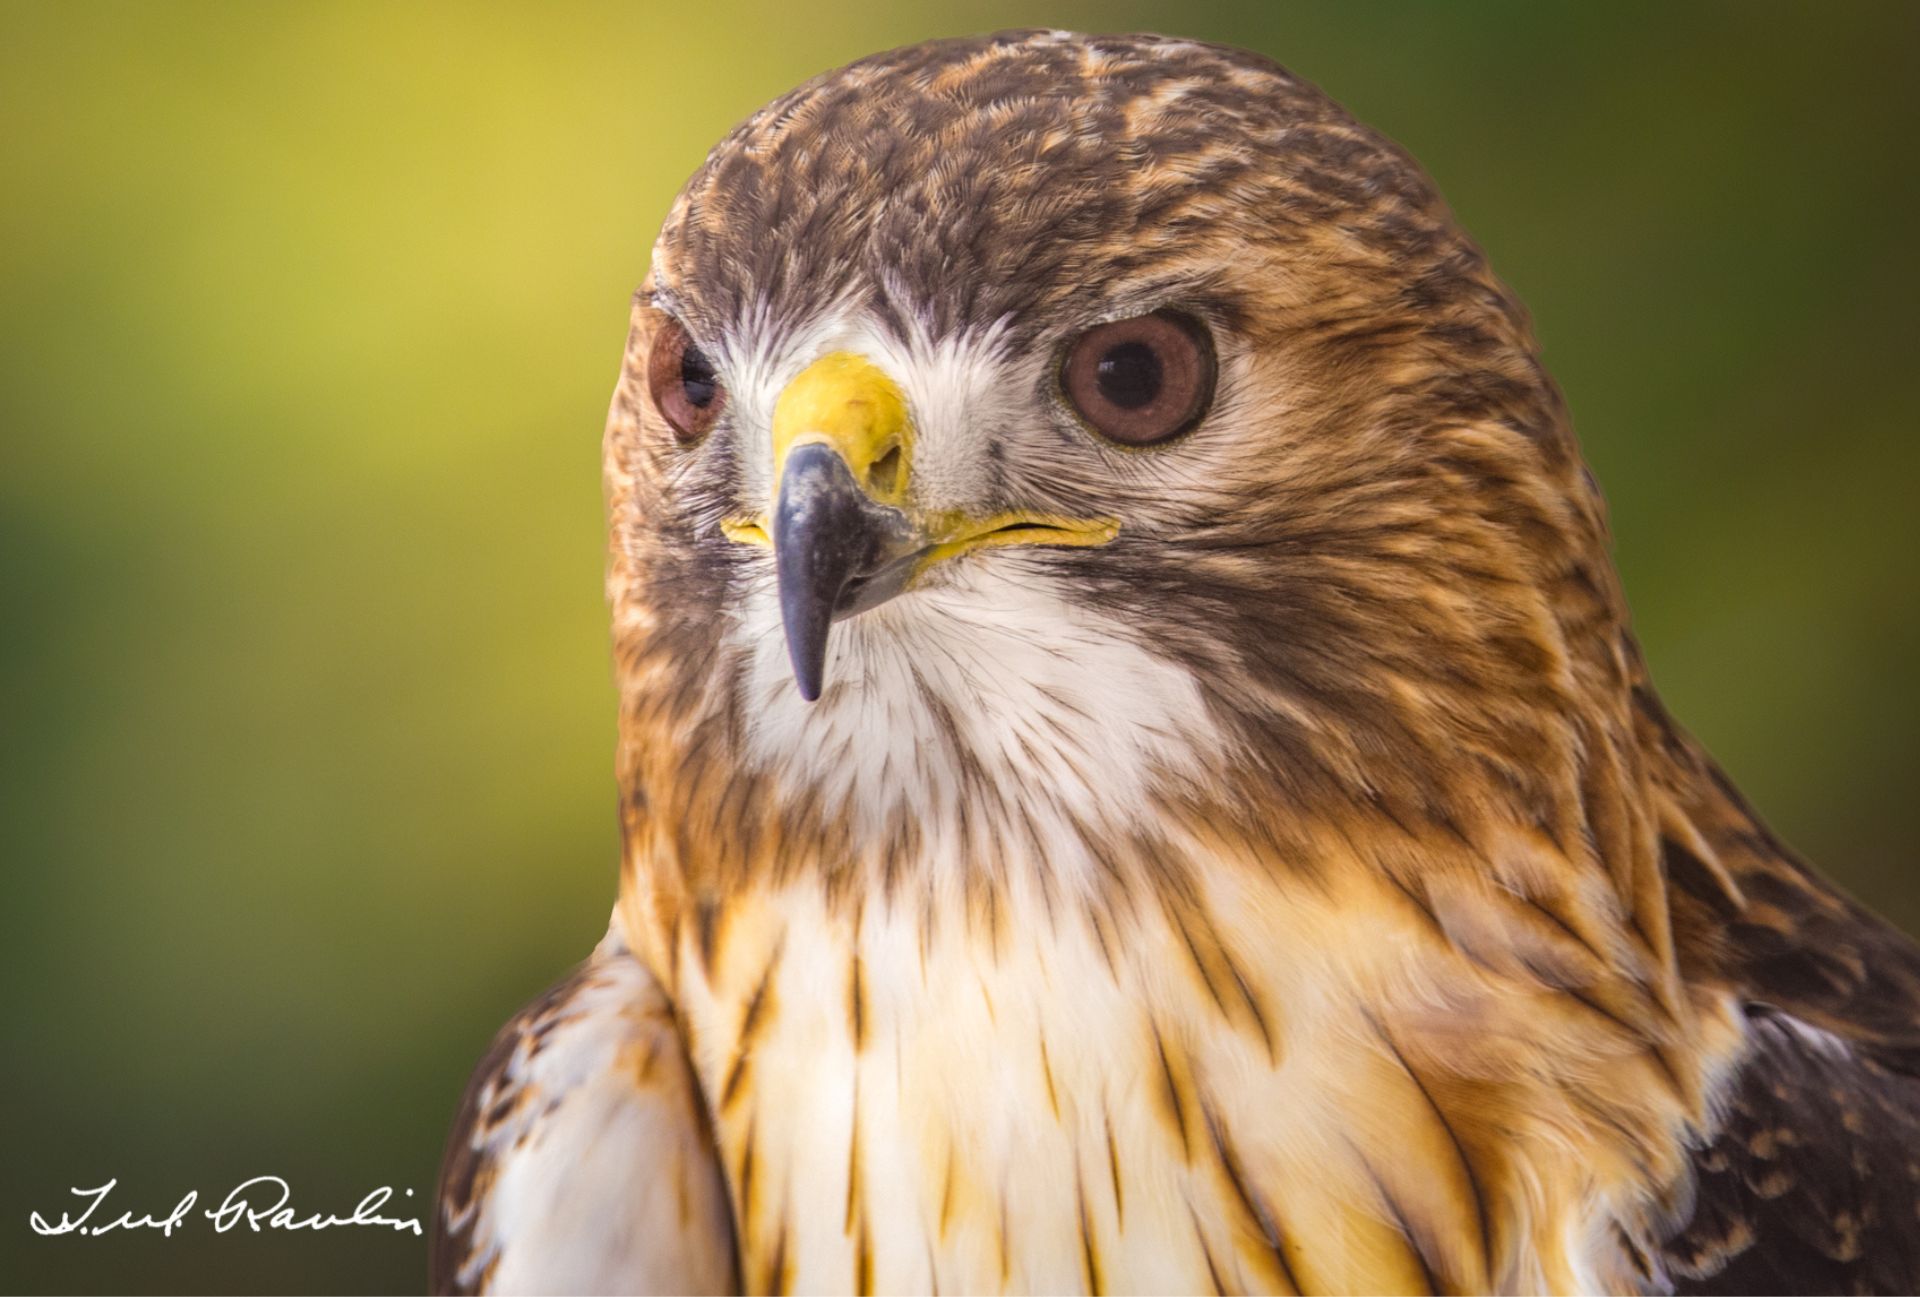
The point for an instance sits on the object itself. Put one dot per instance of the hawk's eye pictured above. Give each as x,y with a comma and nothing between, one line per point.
683,383
1143,380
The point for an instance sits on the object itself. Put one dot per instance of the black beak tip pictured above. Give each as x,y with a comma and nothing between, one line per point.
809,670
806,610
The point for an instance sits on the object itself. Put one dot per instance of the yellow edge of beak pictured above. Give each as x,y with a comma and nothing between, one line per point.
746,531
1021,529
998,531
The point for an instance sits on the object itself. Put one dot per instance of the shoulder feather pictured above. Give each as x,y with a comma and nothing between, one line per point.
581,1160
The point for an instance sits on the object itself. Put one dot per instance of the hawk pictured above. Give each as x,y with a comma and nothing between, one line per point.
1135,773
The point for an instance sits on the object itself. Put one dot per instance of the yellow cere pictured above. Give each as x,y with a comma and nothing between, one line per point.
847,402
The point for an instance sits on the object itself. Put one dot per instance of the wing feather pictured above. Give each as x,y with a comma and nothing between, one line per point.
581,1160
1811,1182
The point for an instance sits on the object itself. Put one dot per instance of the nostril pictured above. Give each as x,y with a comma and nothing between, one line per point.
883,476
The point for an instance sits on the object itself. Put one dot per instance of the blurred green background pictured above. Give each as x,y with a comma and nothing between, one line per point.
308,319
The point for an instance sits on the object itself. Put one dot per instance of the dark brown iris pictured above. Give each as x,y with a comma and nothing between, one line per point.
683,383
1143,380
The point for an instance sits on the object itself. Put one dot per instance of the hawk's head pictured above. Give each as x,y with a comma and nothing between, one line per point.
1051,430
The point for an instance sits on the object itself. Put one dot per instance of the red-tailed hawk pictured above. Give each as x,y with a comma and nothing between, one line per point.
1135,771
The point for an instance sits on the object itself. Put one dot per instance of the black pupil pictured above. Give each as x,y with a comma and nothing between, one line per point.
698,382
1129,375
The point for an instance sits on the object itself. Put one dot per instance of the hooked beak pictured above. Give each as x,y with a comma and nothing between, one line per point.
844,533
838,551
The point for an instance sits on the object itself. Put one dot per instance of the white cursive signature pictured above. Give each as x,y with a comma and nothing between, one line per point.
261,1203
